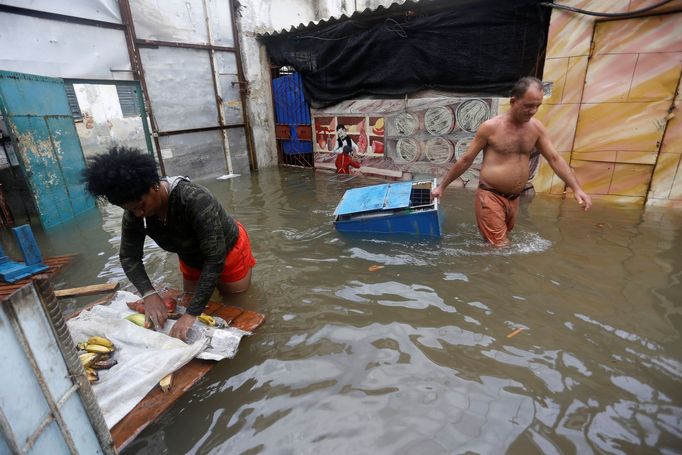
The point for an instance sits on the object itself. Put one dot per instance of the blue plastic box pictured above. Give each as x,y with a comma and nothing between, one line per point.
393,208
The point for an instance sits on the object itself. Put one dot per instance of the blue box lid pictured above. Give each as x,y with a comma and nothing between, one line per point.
375,197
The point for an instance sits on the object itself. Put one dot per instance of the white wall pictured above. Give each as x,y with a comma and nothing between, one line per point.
103,123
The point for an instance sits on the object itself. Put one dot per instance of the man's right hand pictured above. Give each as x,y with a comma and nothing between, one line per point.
155,311
436,192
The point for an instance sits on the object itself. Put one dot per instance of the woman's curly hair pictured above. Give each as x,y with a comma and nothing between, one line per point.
121,175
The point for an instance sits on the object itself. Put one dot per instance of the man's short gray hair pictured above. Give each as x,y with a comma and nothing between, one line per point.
522,85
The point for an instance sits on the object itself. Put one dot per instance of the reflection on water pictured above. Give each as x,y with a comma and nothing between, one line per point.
415,356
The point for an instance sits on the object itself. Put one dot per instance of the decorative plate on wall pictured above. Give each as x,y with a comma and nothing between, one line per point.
462,146
439,150
439,120
471,113
408,149
406,123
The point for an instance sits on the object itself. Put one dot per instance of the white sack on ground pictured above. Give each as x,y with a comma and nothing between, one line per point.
144,356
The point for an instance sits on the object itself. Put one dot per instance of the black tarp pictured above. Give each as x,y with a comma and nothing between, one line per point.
468,46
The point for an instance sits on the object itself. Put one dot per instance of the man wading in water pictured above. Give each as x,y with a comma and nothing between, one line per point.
507,141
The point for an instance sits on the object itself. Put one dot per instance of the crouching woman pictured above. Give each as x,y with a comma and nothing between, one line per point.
181,217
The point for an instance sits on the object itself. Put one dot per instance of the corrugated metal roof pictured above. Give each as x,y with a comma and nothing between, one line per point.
367,13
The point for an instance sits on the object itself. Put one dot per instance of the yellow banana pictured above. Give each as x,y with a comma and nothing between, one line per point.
166,382
91,375
100,341
88,358
206,319
81,346
98,349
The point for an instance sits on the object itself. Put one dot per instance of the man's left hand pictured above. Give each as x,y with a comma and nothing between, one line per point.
583,199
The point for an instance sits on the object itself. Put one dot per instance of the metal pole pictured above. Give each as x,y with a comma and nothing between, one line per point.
218,97
243,87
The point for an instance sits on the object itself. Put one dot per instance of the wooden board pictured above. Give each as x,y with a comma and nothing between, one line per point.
86,290
157,402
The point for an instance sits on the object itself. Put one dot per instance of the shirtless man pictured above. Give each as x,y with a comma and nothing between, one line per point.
507,141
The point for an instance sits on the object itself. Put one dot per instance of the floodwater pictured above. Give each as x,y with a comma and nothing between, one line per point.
416,357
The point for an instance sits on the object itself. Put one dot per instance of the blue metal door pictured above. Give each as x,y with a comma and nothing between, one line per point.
292,116
50,155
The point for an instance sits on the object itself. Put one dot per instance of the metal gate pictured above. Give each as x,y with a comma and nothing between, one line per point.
46,403
50,156
187,57
292,121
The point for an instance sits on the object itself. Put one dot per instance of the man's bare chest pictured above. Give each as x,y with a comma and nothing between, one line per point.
513,142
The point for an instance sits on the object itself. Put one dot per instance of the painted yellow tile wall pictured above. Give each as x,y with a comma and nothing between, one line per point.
621,126
594,177
666,183
656,76
555,71
663,180
630,179
560,121
575,79
623,95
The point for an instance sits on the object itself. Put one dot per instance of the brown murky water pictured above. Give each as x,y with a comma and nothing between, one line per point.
415,357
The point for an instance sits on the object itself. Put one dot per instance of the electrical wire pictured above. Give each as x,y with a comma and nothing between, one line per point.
395,27
594,13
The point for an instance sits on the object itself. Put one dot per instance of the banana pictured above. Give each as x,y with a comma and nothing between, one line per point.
166,382
98,349
137,318
206,319
103,364
88,358
92,375
101,341
81,346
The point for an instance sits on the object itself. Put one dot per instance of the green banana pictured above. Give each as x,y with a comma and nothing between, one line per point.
137,318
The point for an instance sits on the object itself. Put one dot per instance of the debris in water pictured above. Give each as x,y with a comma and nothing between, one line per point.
516,332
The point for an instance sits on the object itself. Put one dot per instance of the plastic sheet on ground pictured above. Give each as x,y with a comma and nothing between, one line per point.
144,356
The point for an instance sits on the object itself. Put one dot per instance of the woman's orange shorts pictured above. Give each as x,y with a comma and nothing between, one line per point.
238,262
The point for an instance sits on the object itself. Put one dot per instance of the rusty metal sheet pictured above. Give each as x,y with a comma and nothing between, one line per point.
304,132
282,132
